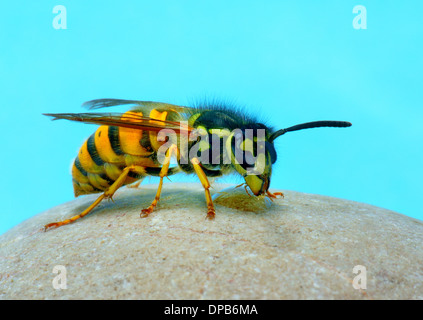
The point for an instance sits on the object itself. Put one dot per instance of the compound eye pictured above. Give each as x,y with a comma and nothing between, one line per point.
247,160
271,149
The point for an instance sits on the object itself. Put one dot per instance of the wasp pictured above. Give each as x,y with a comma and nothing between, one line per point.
209,140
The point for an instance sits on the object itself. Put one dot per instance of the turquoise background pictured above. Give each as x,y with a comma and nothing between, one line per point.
287,61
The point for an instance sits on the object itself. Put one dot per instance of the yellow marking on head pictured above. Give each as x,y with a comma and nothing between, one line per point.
255,183
247,145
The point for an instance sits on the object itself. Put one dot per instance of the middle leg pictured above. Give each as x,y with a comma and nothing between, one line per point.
211,213
163,173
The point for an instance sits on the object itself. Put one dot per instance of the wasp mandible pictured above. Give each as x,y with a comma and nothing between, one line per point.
209,140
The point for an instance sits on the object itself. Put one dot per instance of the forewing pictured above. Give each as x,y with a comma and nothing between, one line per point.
105,103
126,120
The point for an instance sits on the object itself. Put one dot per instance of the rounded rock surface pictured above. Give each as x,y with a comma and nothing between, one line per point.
303,246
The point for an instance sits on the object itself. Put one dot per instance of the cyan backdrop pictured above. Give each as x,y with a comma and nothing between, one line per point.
287,61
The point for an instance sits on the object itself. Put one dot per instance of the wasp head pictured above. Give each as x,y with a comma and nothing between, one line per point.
252,155
253,152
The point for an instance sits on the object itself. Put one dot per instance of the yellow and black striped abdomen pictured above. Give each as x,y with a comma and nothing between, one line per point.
109,150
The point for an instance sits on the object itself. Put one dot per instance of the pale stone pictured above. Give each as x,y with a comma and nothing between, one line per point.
301,247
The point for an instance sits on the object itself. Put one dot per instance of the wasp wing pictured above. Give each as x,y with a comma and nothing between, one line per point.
127,120
106,103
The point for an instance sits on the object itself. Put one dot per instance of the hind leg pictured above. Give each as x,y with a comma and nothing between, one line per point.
107,194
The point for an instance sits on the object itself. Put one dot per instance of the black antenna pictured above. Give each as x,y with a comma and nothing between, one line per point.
309,125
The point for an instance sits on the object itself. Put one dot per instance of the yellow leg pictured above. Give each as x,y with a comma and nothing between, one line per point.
245,187
163,173
107,194
211,213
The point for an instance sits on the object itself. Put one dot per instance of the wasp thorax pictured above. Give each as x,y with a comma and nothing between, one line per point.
245,148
